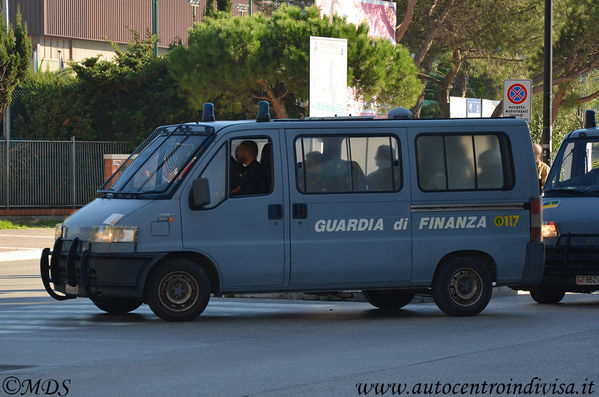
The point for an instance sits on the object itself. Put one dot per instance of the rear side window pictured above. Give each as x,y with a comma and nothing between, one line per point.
464,162
344,164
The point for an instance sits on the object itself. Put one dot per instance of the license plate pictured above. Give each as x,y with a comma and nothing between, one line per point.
71,290
587,280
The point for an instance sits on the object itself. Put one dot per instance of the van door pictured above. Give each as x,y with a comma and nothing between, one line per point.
242,228
350,209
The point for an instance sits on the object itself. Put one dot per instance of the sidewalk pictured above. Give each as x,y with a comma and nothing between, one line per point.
20,251
24,244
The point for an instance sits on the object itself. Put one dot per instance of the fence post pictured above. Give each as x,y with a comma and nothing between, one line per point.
7,154
73,179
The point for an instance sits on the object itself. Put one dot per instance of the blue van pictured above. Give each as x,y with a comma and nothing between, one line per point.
571,217
392,207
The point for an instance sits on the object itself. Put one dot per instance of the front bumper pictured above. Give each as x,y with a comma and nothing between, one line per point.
75,270
572,255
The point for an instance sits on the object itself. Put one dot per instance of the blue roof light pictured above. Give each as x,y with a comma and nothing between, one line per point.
589,119
263,111
208,112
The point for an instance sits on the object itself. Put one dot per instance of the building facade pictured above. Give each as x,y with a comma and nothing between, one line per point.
72,30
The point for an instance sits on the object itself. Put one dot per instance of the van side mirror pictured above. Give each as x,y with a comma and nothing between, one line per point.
200,194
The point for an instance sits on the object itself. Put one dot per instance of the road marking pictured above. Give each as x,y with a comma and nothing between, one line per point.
82,313
25,236
23,255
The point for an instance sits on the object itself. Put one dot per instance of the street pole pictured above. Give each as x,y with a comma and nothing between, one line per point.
250,4
155,24
547,83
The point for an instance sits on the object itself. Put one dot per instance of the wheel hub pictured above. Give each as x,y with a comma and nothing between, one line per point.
178,291
465,287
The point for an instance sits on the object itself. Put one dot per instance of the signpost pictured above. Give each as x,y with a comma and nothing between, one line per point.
517,99
328,76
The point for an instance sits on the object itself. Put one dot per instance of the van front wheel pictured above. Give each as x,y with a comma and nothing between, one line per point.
462,287
178,290
388,299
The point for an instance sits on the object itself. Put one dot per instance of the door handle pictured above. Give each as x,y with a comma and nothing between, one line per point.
275,211
300,211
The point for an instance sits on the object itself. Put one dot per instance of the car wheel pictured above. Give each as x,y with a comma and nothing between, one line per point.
389,299
462,287
544,295
178,290
116,305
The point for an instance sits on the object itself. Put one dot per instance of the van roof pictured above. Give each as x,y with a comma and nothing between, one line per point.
362,122
583,133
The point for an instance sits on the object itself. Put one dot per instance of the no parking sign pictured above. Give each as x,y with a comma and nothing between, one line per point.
517,98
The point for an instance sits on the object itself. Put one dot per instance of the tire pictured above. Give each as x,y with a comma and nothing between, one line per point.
178,290
544,295
462,287
389,299
116,305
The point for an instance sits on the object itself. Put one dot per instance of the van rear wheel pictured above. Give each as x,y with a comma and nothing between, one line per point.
462,287
544,295
116,305
178,290
388,299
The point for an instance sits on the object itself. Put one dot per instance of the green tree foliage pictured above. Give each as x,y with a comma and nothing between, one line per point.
236,61
50,105
575,56
213,7
119,99
467,48
450,37
15,53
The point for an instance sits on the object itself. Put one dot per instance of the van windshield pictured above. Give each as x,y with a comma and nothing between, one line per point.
159,162
575,171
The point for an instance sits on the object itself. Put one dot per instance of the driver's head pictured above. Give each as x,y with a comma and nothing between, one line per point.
247,152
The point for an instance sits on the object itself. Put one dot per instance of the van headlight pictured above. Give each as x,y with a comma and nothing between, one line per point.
113,234
60,231
549,230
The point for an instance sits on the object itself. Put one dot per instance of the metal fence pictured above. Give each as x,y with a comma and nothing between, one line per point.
53,174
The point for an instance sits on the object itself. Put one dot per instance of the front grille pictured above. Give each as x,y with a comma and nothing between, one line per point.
573,254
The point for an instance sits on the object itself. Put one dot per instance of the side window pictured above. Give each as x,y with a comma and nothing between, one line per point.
463,162
341,164
251,167
216,173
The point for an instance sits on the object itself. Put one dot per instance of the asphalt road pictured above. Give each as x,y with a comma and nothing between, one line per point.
256,347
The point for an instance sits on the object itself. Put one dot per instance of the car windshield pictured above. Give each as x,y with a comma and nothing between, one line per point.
159,162
576,169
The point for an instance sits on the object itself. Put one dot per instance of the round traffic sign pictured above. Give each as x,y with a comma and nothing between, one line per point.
517,94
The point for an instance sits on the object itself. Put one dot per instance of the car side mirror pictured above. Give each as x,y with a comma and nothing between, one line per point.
200,194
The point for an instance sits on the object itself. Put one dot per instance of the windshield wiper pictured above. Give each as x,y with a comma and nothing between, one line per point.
573,192
111,194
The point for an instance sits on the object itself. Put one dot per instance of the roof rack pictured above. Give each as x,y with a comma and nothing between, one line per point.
340,118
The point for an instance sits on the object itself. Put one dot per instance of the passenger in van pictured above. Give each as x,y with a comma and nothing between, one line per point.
314,181
237,171
490,170
382,178
433,173
256,177
460,165
542,168
340,175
